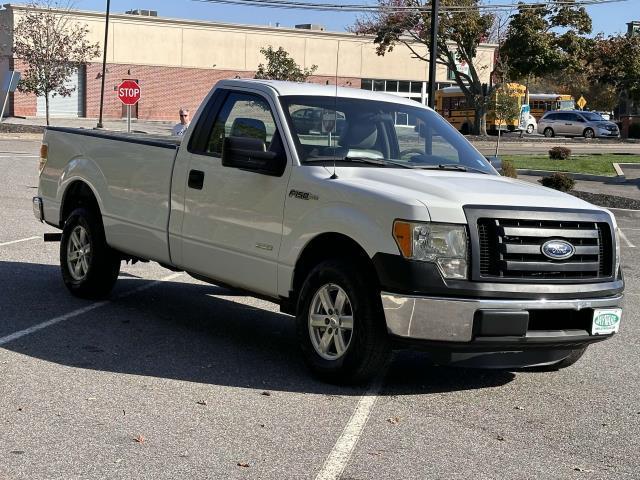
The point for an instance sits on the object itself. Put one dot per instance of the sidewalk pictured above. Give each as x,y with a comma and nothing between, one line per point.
627,189
138,126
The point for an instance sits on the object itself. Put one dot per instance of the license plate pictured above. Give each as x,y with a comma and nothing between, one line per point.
606,321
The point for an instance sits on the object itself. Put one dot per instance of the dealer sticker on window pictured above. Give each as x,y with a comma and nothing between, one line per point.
606,321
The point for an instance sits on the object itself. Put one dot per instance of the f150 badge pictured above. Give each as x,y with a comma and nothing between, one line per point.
302,195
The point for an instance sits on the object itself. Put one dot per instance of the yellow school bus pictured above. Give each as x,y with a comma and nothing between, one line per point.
543,102
452,105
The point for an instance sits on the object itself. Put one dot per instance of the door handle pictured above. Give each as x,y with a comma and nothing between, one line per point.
196,179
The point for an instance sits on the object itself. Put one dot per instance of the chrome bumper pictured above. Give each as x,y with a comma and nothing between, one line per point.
451,319
38,211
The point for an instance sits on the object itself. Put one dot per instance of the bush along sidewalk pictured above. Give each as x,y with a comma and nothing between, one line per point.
558,181
559,153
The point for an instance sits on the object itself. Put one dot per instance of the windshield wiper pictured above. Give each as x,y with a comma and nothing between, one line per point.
454,167
376,161
368,160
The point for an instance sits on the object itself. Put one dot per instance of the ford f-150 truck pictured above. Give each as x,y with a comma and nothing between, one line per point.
373,221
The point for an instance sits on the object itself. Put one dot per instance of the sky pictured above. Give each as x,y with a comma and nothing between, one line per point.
607,18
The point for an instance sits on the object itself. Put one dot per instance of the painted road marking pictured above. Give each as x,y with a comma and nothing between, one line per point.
81,311
626,240
339,456
13,242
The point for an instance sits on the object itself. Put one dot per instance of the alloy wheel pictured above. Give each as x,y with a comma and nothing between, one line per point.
331,322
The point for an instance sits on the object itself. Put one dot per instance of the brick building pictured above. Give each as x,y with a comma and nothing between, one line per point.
177,61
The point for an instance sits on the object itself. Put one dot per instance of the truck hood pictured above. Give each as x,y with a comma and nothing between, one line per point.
444,193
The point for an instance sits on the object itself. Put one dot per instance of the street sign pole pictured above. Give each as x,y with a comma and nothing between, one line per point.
128,118
433,54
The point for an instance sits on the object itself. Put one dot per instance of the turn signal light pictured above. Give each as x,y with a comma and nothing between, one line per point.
44,154
402,235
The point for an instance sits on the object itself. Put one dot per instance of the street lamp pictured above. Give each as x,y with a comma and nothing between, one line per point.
434,52
104,63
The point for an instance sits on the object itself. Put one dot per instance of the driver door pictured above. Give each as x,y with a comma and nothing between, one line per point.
232,225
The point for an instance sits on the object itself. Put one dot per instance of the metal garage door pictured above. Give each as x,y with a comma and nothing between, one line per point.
72,106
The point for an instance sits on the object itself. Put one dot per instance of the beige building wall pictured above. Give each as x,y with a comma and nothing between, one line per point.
207,45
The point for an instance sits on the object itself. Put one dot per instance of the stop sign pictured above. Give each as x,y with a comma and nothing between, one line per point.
129,92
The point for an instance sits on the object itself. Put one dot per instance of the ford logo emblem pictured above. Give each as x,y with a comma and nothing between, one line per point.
558,250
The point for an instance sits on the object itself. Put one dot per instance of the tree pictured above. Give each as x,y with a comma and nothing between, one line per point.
280,66
460,32
506,108
546,40
616,62
53,47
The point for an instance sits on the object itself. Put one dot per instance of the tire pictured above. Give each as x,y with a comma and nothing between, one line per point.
83,237
530,128
589,133
548,132
365,347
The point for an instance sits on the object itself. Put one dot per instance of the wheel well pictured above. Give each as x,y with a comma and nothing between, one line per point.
324,247
78,194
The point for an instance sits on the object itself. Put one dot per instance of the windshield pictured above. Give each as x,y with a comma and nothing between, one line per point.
592,116
388,134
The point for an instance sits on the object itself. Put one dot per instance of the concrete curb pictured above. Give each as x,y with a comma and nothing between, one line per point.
625,213
620,178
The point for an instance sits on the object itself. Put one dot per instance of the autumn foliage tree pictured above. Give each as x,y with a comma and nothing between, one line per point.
53,47
460,32
280,66
616,62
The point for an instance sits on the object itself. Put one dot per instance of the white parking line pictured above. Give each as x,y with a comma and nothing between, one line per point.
626,240
339,456
18,241
81,311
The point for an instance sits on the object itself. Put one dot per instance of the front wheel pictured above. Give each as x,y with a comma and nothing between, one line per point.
89,266
548,132
340,324
589,133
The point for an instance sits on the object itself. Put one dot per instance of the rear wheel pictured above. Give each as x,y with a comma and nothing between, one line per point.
589,133
548,132
340,324
89,266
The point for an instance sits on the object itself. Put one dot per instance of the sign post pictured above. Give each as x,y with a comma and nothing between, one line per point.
8,86
129,95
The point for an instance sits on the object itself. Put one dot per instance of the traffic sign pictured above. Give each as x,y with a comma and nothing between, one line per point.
581,102
129,92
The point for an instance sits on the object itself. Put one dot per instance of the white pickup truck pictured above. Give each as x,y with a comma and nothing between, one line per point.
365,215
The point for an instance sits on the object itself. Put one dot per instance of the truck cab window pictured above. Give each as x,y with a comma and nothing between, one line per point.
242,115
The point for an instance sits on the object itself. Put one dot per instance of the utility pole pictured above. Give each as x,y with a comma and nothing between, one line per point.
433,54
104,63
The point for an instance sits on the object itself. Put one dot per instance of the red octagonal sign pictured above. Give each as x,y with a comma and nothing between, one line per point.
129,92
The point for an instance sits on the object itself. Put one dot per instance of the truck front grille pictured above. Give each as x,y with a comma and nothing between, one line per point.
509,247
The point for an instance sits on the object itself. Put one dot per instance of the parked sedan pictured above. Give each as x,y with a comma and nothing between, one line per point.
576,123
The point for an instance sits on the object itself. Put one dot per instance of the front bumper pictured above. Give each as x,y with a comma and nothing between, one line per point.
493,324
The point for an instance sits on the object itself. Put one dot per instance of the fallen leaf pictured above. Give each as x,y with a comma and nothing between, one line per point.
393,420
123,412
519,408
262,425
139,439
585,470
266,394
243,465
118,460
19,409
500,438
202,402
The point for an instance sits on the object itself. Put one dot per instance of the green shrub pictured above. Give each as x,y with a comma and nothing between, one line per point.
509,169
558,181
634,130
559,153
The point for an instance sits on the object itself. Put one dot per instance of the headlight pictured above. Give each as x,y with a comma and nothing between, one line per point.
441,243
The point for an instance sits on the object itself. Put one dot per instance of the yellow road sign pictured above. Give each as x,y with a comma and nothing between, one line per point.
581,102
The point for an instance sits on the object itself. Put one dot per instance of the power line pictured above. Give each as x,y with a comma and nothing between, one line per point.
360,8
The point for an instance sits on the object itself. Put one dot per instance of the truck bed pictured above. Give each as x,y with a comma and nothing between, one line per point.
131,175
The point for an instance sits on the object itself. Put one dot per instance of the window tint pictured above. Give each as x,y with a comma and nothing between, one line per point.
241,115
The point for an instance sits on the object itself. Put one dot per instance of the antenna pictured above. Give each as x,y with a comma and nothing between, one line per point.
335,113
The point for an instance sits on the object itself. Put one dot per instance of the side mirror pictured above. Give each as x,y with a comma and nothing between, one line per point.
251,154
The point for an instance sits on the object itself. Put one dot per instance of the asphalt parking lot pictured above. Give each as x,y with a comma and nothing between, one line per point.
174,378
